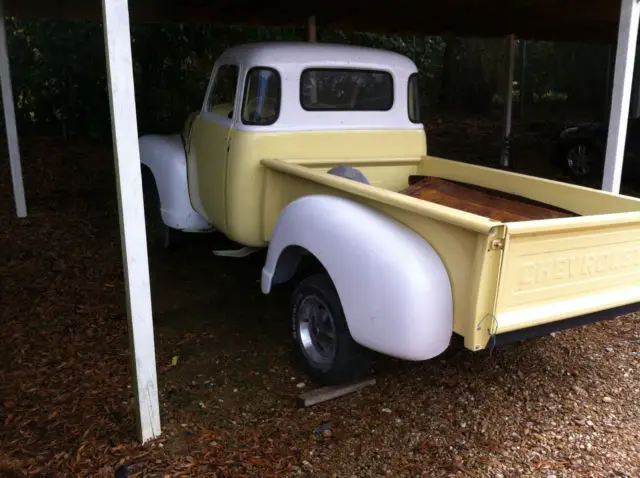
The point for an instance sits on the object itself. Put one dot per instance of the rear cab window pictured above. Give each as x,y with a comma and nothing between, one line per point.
332,89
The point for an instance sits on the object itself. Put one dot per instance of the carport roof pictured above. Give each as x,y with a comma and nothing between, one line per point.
569,20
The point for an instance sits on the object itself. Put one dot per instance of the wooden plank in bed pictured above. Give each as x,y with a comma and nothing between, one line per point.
485,202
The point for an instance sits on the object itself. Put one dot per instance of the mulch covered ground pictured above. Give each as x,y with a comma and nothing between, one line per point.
563,405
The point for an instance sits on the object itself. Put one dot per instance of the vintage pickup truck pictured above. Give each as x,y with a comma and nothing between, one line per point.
316,152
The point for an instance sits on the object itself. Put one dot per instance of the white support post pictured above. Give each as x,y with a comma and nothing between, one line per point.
621,97
508,101
131,208
10,120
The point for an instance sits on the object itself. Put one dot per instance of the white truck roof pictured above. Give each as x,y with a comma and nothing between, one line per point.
306,53
290,59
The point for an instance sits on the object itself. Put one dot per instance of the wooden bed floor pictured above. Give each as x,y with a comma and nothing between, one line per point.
485,202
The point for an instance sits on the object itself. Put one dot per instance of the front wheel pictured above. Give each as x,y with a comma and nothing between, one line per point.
159,235
322,342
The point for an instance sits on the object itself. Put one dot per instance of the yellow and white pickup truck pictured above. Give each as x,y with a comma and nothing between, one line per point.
317,153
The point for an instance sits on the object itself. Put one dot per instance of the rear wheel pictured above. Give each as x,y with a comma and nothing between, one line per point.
322,342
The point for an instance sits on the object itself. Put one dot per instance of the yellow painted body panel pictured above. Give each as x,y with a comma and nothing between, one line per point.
552,269
484,257
580,266
207,171
504,276
459,238
245,175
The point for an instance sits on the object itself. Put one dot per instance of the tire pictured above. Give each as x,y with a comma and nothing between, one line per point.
332,357
159,235
581,160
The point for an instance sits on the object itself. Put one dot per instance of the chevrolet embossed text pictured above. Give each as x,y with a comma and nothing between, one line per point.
578,266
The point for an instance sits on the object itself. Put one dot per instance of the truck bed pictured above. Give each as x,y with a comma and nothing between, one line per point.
489,203
511,270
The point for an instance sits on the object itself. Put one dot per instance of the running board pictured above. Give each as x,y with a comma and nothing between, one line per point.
236,253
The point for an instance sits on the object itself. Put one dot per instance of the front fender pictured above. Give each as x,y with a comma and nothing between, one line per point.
165,157
393,286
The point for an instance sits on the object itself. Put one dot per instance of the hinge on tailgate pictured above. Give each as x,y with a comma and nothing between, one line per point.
492,329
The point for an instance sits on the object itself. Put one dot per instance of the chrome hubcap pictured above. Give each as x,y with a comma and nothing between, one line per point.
317,331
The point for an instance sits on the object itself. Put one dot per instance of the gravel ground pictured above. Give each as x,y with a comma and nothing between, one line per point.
562,405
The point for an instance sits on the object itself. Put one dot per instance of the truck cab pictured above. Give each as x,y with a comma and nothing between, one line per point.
293,101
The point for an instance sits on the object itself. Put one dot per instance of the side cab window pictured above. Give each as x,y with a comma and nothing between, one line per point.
414,99
262,96
222,95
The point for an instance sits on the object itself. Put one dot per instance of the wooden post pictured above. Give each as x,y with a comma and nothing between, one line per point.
634,109
10,121
312,31
319,395
608,85
621,97
523,78
131,209
508,102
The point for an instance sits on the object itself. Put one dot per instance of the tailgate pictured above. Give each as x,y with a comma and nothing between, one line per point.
561,268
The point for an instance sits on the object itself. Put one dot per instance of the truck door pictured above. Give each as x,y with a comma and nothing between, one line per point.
209,144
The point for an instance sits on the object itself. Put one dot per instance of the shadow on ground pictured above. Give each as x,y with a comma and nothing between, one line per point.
563,404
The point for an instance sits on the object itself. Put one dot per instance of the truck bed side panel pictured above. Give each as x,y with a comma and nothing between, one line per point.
459,238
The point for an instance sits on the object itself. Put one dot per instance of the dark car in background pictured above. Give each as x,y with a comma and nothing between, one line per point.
580,149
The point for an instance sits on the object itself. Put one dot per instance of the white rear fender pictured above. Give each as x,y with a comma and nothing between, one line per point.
393,286
165,157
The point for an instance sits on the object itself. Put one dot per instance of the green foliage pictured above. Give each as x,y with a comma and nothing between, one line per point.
59,76
59,71
573,74
426,52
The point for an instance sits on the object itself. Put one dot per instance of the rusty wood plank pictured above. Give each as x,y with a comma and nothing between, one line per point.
484,202
323,394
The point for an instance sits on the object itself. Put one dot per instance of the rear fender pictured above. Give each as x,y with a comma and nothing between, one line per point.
393,286
165,157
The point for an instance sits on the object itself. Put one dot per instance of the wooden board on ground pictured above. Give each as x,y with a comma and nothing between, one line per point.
319,395
489,203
